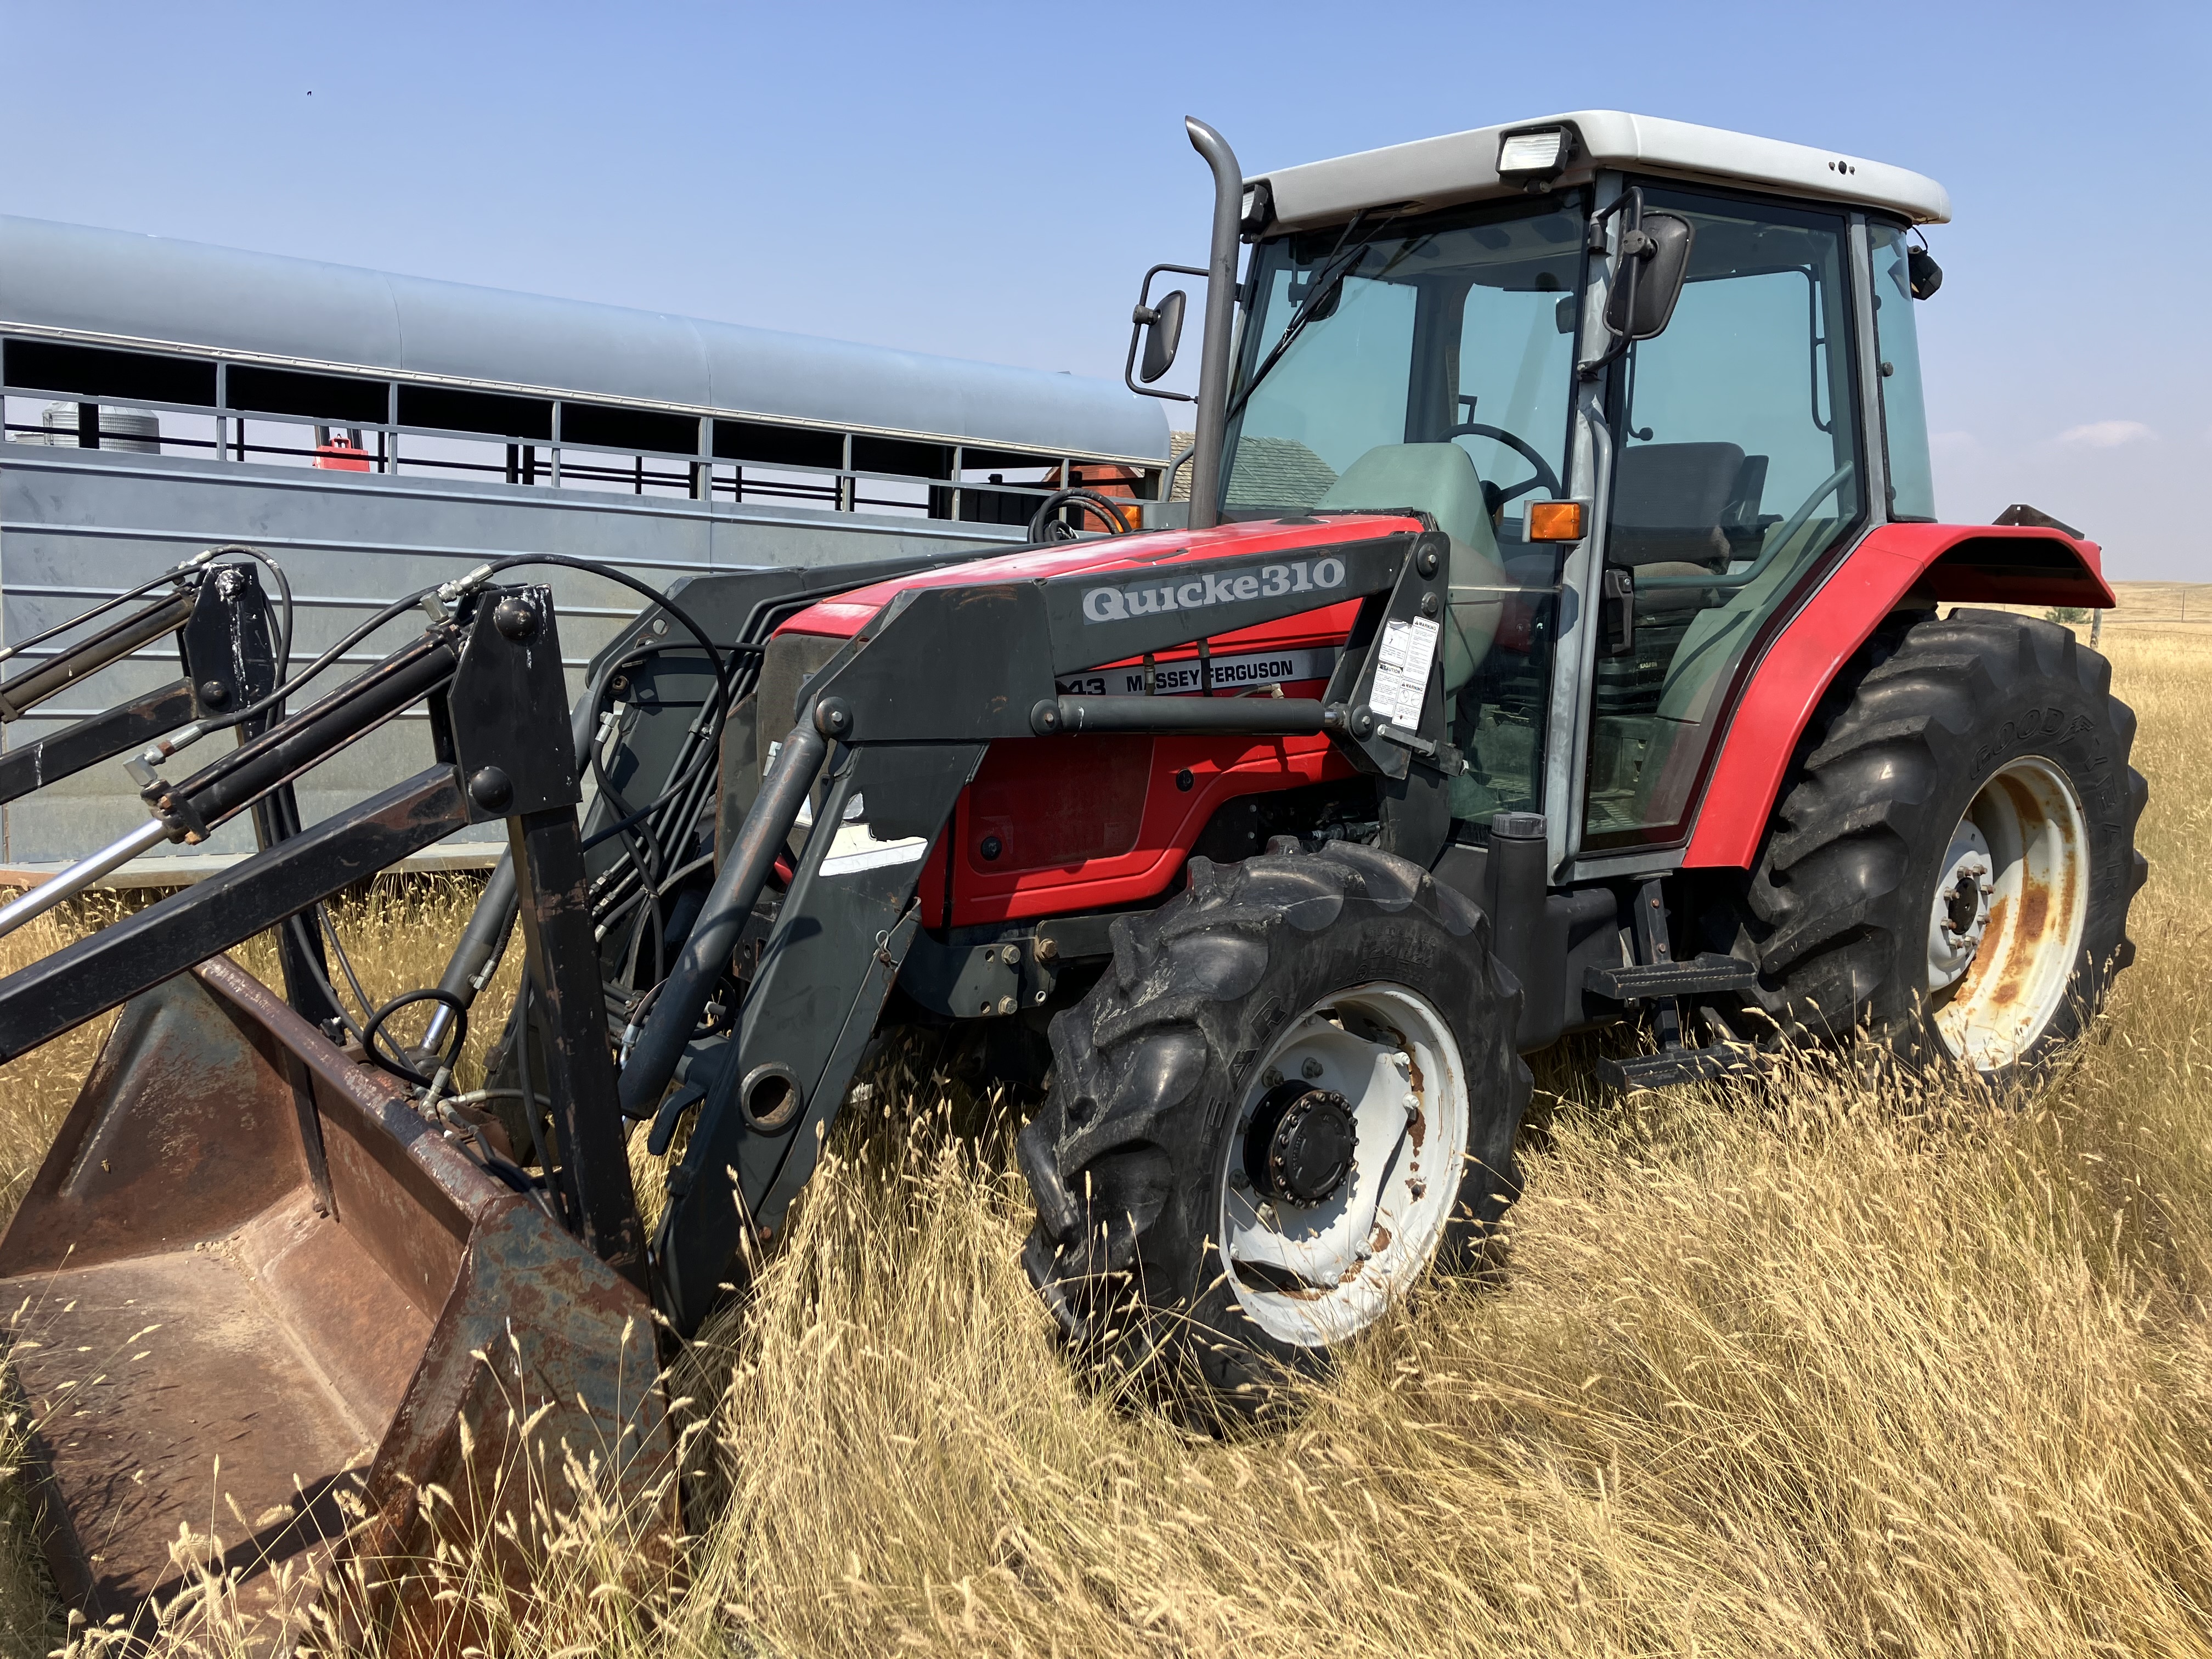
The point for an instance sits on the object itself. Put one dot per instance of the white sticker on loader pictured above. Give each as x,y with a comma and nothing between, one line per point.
854,848
1402,673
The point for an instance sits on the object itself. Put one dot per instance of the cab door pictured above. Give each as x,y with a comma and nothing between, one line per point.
1737,475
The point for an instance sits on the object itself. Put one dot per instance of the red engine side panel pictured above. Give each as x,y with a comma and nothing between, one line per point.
1003,801
1956,564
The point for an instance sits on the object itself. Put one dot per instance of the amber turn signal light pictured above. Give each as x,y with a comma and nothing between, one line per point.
1555,521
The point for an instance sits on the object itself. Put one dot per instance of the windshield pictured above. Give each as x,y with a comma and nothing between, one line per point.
1429,363
1458,327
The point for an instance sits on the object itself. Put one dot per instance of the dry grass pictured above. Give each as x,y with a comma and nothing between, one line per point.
1801,1368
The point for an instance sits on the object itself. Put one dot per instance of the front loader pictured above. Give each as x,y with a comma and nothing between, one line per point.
1555,638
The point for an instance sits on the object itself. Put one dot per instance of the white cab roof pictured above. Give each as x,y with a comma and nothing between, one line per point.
1462,166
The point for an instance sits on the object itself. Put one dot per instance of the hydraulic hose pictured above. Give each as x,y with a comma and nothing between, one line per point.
706,952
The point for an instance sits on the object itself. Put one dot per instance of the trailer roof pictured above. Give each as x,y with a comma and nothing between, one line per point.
151,291
1462,166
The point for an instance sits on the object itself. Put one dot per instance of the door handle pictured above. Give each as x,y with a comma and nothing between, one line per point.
1617,611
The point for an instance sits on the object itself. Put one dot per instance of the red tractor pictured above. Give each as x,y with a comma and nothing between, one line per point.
1558,633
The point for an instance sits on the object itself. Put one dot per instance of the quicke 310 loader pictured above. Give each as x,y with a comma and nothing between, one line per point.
1560,633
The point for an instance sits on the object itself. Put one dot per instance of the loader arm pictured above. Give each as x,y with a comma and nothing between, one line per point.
226,643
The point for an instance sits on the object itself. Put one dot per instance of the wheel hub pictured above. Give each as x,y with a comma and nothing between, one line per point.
1300,1145
1340,1175
1960,915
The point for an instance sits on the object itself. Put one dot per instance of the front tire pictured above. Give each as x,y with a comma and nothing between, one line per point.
1294,1088
1953,862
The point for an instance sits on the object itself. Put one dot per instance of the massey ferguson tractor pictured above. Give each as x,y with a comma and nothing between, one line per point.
1558,633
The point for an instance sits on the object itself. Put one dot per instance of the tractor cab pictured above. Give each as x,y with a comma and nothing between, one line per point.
1652,380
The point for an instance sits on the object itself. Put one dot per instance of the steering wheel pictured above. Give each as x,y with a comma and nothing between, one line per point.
1544,476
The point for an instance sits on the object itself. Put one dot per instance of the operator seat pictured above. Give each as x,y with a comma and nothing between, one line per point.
1439,480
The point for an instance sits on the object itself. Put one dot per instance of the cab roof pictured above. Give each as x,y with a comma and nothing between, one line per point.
1462,166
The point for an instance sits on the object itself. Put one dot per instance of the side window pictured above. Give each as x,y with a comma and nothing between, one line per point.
1736,468
1903,414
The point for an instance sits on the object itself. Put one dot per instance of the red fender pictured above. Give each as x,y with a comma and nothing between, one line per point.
1941,562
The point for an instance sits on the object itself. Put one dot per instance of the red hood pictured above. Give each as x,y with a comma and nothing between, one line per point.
842,617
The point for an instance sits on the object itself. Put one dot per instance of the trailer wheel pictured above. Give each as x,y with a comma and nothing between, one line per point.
1951,863
1295,1089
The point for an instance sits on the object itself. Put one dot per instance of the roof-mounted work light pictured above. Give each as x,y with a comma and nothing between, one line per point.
1257,209
1534,157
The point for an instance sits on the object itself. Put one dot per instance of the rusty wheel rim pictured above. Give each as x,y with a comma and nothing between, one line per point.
2006,921
1313,1275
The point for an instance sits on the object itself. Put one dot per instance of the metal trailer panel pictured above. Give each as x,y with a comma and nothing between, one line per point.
77,525
123,286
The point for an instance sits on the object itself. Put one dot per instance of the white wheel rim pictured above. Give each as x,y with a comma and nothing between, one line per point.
1999,980
1314,1275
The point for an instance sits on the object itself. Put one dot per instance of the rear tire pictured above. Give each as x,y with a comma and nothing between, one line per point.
1187,1232
1952,863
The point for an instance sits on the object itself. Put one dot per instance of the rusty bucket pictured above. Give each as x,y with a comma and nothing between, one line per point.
257,1306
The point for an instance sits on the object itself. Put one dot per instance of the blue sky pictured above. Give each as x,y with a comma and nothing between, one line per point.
990,181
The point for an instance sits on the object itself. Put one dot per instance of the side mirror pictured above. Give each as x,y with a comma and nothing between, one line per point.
1157,330
1923,272
1162,333
1655,260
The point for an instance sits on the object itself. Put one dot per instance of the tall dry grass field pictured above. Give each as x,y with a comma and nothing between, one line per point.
1802,1367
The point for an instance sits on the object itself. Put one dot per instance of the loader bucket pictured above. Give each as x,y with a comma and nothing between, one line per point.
259,1304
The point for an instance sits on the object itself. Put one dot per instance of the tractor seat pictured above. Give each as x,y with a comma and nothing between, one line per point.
1439,480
